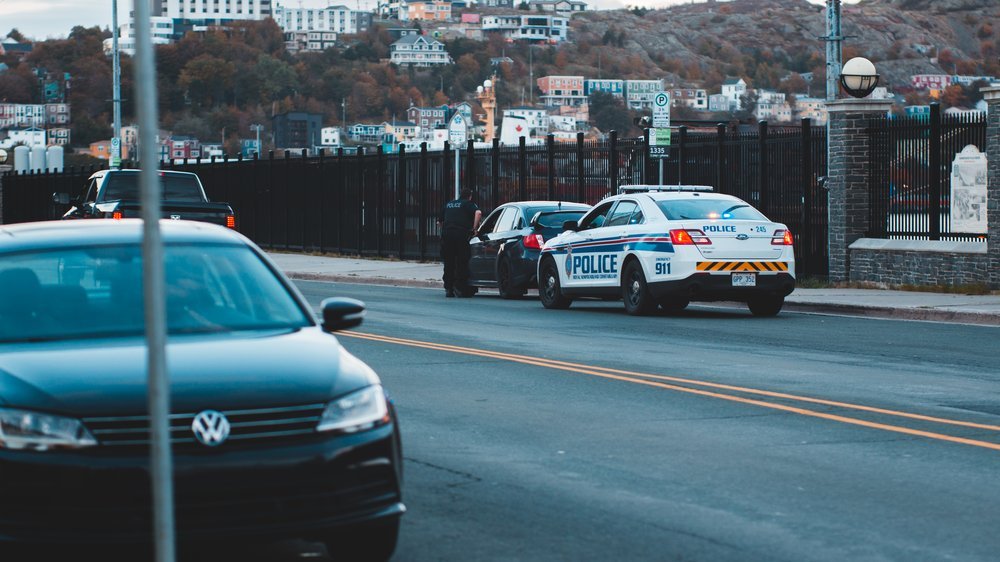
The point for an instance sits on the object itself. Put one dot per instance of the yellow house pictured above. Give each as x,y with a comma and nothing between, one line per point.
437,10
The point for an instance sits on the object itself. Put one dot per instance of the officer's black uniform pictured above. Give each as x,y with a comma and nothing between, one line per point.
457,218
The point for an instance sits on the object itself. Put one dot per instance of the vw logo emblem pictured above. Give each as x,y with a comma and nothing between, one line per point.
210,428
742,237
175,217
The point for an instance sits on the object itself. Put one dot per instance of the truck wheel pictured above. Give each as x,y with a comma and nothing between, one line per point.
549,289
766,306
635,293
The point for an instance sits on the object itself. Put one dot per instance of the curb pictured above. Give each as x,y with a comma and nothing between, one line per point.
883,312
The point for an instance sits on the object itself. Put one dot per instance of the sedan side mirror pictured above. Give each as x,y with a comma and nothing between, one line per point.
571,225
60,198
341,313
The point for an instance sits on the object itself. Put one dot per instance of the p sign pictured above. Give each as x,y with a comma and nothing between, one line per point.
661,110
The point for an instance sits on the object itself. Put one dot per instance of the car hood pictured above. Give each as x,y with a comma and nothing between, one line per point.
227,371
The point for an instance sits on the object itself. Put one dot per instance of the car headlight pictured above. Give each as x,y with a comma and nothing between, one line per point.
355,412
32,431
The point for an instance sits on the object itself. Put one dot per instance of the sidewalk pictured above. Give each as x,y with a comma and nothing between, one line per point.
941,307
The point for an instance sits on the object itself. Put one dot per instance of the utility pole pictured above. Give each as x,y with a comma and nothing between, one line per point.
343,107
531,77
834,41
257,127
116,147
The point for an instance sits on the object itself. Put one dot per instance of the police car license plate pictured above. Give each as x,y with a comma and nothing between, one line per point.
744,280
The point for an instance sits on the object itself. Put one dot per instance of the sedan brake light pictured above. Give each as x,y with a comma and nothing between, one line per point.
231,221
533,241
689,237
782,238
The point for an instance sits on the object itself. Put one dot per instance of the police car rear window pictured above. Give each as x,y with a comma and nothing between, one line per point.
715,209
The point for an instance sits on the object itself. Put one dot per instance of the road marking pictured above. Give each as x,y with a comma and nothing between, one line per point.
644,379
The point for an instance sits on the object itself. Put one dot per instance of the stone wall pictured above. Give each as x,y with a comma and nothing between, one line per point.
919,262
992,97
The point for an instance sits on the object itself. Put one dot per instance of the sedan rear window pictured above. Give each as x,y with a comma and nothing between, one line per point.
175,187
713,209
97,292
554,217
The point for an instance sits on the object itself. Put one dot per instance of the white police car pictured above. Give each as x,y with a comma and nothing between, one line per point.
667,246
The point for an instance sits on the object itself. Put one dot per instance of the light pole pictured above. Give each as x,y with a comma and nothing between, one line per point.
116,147
257,127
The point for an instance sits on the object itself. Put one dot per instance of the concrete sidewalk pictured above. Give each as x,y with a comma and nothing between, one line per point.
941,307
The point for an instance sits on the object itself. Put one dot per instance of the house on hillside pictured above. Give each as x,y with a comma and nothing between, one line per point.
614,87
694,98
772,106
562,7
433,10
427,118
639,94
813,109
734,89
418,50
11,47
402,131
531,27
562,90
367,133
536,119
297,129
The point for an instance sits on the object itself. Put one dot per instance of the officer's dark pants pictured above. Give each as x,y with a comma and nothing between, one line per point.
455,255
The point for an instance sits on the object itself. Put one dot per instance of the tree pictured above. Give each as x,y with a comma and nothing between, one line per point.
794,84
275,78
16,35
608,112
206,79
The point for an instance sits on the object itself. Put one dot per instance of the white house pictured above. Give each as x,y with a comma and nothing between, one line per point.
329,137
530,27
564,7
337,19
772,106
811,108
639,94
27,137
734,89
417,50
536,119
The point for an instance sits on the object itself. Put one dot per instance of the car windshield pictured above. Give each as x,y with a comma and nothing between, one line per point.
713,209
175,187
554,217
97,292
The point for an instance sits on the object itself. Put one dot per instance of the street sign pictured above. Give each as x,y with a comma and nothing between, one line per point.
116,152
661,110
659,143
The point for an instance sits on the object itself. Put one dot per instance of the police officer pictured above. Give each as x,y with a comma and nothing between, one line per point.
458,221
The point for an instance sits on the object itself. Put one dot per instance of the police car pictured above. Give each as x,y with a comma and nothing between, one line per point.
666,246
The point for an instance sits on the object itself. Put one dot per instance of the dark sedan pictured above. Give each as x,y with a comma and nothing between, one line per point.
277,431
506,247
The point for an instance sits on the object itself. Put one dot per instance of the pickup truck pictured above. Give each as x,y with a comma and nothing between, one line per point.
114,194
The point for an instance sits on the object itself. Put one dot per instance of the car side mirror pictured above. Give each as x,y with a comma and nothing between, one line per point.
60,198
571,225
341,313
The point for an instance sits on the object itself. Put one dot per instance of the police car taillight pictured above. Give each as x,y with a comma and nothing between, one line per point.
117,215
782,238
688,237
533,241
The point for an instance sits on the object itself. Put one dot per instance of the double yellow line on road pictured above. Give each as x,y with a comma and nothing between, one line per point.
699,388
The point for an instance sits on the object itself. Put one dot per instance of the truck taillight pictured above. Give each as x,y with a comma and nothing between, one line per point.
533,241
688,237
231,221
782,238
117,215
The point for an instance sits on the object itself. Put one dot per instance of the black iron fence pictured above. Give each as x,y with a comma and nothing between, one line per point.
376,204
909,169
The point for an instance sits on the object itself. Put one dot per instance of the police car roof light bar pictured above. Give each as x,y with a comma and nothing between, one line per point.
649,188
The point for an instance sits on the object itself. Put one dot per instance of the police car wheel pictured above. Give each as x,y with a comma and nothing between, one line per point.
635,293
674,305
549,290
505,284
766,306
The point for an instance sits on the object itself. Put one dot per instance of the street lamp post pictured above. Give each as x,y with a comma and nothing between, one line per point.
116,147
257,127
858,77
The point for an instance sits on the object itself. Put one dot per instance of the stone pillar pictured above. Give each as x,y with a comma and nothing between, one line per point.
992,97
847,176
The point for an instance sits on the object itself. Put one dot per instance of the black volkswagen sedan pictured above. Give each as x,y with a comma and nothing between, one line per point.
506,247
277,431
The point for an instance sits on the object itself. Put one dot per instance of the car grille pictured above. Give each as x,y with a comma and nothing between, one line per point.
247,426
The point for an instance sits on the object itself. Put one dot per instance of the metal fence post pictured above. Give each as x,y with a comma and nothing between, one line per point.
270,199
934,208
720,151
682,141
522,170
303,206
401,200
288,192
613,162
805,237
581,191
379,182
495,175
470,167
321,182
361,200
550,149
422,201
341,186
762,196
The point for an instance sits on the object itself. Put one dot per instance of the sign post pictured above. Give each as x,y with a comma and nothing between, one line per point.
659,135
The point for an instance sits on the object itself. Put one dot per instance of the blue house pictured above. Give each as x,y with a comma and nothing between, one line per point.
613,87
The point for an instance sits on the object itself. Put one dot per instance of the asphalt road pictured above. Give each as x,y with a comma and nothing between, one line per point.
586,434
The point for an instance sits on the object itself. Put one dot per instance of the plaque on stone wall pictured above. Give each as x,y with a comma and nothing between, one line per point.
968,191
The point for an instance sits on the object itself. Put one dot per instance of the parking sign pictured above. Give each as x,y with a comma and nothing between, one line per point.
661,110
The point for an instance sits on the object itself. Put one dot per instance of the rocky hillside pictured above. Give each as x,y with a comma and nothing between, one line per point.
767,39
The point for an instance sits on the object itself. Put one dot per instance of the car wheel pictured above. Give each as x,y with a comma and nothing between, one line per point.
674,305
549,289
505,283
766,306
635,293
375,542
